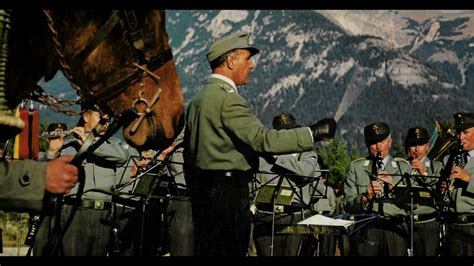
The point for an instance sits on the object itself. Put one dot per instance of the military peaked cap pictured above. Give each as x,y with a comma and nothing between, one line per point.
416,136
284,121
238,40
463,120
376,132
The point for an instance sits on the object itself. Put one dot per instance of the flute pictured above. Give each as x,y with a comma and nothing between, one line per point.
59,133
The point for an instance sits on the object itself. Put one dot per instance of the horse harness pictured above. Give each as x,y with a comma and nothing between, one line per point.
144,66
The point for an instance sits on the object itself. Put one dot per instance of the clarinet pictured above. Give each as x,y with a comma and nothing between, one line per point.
455,160
377,166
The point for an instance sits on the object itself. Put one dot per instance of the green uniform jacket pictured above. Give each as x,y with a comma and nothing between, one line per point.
433,169
22,185
304,164
464,195
223,133
358,179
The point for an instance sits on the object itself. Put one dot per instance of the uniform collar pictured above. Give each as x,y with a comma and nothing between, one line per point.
468,155
425,159
226,79
385,161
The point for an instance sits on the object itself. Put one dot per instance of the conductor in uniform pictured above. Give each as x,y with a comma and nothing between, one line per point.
223,139
365,192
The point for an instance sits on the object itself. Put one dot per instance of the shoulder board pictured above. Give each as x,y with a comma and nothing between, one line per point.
361,160
226,88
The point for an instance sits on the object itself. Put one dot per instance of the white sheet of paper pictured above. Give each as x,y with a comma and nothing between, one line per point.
326,221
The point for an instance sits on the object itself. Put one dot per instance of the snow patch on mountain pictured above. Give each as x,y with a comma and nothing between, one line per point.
381,23
219,25
187,40
341,69
283,83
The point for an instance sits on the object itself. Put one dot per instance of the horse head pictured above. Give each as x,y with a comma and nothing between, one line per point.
118,60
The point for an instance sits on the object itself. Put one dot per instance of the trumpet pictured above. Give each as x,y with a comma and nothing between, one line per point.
57,133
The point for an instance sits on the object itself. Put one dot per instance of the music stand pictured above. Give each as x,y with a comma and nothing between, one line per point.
149,184
281,197
418,192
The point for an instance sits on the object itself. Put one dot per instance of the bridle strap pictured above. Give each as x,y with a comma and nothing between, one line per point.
112,91
135,34
100,36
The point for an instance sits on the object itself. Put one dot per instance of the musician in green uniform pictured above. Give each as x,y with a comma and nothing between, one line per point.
460,229
222,140
425,173
367,187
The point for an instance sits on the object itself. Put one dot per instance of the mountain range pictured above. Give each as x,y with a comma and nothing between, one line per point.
406,68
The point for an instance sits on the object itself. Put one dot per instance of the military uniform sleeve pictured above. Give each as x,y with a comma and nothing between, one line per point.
242,122
112,150
470,185
352,201
22,185
305,164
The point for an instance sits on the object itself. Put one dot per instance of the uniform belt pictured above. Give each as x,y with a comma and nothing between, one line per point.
90,203
462,218
424,217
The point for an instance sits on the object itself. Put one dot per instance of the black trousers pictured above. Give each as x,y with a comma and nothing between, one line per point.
426,239
157,228
460,240
221,212
269,242
88,235
382,237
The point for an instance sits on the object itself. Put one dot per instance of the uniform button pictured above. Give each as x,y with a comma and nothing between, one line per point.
98,204
25,180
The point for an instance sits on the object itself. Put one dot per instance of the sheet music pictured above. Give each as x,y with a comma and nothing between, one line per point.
322,220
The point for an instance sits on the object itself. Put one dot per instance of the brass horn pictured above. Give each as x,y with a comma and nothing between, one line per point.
444,142
10,125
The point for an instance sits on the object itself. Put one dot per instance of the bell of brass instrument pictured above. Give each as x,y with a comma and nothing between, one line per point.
445,141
